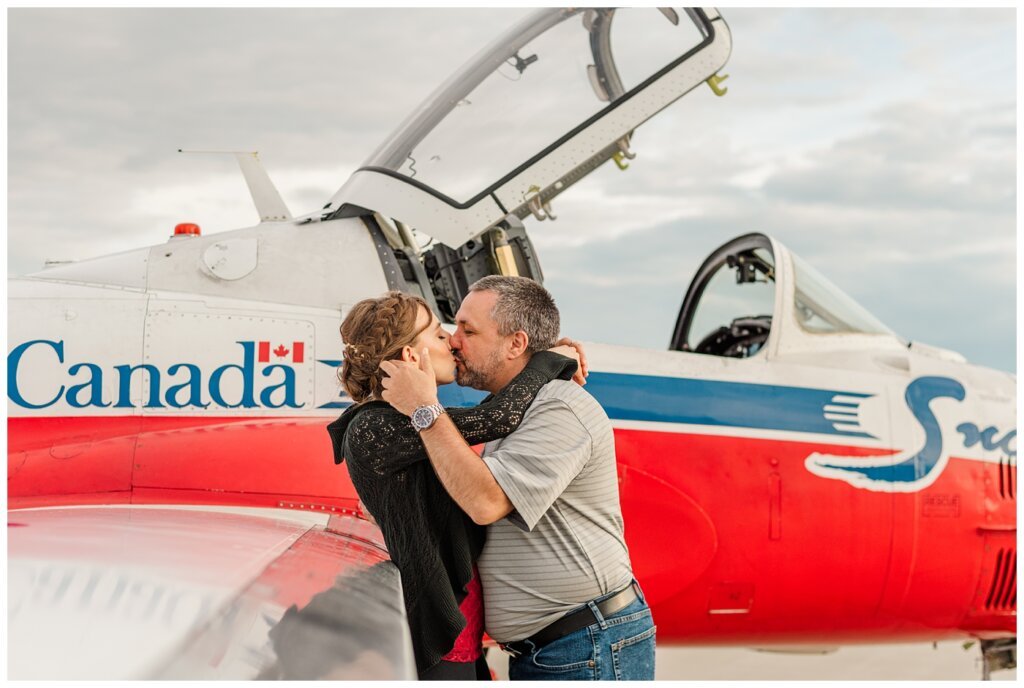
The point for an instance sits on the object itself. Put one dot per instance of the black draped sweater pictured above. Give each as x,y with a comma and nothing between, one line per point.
430,539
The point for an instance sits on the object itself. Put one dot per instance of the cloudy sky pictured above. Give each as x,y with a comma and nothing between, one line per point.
880,145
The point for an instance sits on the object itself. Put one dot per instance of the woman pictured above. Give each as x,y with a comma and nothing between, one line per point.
430,539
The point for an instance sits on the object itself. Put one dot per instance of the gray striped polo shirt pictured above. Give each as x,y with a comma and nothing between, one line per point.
562,545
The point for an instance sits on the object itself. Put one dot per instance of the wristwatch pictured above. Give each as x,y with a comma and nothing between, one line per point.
423,417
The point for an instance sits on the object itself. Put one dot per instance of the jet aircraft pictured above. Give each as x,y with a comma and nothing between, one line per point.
793,473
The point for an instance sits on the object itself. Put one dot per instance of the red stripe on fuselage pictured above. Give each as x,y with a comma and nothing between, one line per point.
228,460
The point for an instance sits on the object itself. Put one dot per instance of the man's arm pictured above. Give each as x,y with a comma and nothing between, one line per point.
466,478
463,474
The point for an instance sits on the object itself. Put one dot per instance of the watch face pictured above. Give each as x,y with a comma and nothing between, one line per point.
423,417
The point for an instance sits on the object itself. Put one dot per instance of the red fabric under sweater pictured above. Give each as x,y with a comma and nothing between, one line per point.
469,645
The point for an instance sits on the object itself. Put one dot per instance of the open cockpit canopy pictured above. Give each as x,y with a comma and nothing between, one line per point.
552,98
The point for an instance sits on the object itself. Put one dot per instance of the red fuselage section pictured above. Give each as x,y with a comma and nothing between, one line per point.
733,540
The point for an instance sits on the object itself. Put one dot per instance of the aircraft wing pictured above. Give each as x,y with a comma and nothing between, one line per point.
182,592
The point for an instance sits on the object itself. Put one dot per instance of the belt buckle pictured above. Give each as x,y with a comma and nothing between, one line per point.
507,647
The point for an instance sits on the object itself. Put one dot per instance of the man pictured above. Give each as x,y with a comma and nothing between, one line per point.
559,593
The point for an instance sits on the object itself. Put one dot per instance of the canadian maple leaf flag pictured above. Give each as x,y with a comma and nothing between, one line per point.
297,351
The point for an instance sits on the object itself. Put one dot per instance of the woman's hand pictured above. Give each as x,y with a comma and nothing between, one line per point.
409,385
574,350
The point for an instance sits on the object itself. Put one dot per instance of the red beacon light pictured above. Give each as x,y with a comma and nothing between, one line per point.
186,229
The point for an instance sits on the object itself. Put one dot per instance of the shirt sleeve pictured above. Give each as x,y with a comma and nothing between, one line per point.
537,462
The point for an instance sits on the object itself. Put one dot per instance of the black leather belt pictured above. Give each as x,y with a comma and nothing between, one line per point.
581,618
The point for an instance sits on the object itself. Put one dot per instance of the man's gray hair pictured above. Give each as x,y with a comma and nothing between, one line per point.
525,305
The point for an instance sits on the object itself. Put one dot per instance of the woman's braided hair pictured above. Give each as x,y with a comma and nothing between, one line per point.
376,330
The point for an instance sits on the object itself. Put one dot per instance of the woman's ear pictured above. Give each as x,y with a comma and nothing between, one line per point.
409,355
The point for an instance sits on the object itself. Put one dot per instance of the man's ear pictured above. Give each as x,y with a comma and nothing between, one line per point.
517,344
409,355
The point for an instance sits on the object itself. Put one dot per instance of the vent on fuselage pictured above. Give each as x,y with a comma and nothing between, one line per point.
1008,478
1002,595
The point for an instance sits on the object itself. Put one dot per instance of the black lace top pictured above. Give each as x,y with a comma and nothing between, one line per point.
430,539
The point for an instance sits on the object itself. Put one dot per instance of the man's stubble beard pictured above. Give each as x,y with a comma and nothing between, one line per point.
477,377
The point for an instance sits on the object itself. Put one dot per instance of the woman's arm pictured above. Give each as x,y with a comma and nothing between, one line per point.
388,440
499,414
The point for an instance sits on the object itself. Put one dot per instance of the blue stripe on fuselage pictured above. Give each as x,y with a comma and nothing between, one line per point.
700,402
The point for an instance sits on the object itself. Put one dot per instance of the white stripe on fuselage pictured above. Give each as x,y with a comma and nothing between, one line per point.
960,452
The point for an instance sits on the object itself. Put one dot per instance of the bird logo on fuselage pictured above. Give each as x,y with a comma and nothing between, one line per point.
911,471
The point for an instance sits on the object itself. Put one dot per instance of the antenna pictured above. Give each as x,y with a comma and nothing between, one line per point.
269,203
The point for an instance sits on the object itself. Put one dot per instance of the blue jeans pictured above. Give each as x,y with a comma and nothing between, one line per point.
617,648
